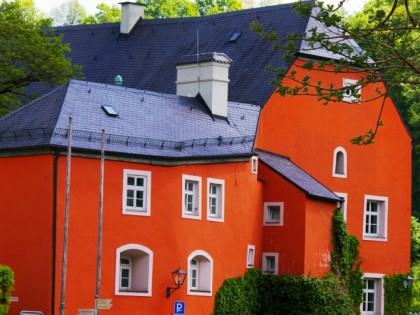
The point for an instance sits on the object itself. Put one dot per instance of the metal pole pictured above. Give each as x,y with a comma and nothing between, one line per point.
66,223
99,255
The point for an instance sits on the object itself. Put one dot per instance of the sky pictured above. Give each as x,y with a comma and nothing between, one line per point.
90,5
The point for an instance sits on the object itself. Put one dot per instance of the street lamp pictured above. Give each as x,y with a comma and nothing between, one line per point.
178,276
408,281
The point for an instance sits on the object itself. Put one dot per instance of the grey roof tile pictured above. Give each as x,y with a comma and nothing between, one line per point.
296,175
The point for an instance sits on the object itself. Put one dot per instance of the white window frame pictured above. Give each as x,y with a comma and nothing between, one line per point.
378,294
343,204
141,268
250,257
254,164
335,163
196,214
129,268
204,285
351,98
265,268
267,221
146,209
219,197
382,216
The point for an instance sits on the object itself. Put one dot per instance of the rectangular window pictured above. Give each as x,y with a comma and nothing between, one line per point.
270,263
273,213
136,192
351,91
250,257
343,204
191,197
375,218
254,164
215,204
373,294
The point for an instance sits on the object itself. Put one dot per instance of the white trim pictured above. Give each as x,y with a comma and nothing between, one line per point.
334,173
266,218
254,164
351,98
148,180
382,220
380,280
220,200
276,263
208,273
139,248
197,195
250,256
344,204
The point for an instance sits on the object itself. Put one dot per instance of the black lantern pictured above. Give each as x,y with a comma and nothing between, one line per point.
178,276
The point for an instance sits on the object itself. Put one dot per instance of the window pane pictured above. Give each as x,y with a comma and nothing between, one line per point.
130,181
140,181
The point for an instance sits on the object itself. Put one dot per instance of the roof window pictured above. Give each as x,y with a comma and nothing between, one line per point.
110,110
234,37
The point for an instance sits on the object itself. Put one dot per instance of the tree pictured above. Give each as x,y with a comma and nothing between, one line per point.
208,7
29,52
6,286
70,12
106,14
390,52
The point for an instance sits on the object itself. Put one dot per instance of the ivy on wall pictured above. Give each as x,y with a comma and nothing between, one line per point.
6,286
396,296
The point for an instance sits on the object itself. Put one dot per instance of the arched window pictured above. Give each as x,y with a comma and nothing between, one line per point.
134,264
200,273
340,163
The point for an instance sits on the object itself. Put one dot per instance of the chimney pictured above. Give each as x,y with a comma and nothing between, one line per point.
207,75
131,13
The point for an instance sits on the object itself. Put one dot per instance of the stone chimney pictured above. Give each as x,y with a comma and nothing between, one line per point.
131,13
207,75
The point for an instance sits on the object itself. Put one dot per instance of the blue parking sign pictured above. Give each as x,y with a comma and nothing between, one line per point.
179,308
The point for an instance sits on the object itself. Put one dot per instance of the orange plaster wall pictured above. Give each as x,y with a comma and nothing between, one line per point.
308,132
26,229
171,238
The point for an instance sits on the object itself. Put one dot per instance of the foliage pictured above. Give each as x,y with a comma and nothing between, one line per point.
389,39
415,241
6,286
415,290
340,292
106,14
396,296
70,12
29,52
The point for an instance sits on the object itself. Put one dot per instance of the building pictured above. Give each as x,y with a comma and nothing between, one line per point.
206,168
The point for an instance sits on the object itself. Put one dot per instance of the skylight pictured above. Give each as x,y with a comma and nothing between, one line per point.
234,37
110,110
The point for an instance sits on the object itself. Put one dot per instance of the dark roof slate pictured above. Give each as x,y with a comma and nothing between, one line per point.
148,123
294,174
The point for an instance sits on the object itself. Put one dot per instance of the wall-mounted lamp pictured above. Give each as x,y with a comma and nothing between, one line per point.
408,282
179,276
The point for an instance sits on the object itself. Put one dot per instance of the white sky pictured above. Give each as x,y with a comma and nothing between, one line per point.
90,5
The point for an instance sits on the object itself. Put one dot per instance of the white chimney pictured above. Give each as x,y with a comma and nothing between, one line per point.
130,14
207,75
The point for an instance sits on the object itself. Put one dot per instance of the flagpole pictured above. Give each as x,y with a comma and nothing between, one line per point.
66,222
99,254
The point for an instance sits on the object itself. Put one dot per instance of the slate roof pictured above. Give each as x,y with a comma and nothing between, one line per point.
148,123
147,57
297,176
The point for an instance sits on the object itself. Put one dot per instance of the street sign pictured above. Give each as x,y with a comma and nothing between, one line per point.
86,312
14,299
103,304
179,308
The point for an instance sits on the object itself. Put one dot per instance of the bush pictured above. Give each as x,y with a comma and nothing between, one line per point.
6,286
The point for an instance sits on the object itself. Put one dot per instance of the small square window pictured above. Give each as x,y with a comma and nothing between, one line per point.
191,197
270,263
273,213
250,256
136,192
375,218
215,199
351,91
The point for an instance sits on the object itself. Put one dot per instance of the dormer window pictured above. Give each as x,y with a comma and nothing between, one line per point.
340,163
352,91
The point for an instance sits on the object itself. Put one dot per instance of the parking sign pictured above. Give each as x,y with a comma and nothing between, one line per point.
179,308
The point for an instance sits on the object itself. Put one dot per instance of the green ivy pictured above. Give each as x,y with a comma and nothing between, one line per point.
397,297
6,286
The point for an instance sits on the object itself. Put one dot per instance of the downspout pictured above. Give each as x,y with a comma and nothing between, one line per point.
54,230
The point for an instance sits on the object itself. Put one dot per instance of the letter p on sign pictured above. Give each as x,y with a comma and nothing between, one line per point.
179,308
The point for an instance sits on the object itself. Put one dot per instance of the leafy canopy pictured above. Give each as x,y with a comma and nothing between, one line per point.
29,52
7,282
